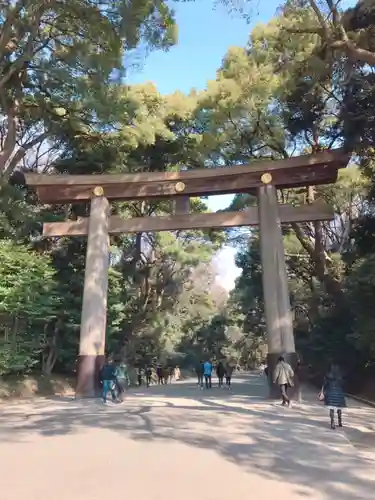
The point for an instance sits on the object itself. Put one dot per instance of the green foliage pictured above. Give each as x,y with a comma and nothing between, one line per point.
61,64
361,290
28,302
27,282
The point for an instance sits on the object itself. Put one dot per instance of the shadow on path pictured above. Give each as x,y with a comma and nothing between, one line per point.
293,445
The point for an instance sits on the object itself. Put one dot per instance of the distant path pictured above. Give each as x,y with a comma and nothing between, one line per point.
177,442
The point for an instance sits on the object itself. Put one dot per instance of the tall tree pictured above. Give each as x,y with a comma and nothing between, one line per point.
57,59
151,274
270,101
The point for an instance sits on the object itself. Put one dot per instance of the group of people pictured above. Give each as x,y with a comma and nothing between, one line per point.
115,377
167,374
332,391
115,380
204,371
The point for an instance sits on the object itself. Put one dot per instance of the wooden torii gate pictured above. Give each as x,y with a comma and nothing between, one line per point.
260,178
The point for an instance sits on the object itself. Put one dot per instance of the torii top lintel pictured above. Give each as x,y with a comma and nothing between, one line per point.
314,169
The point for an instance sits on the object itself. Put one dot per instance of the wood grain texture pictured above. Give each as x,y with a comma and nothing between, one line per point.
320,168
337,156
197,187
117,225
181,205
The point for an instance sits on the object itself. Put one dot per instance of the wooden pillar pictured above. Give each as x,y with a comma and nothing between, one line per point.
181,205
94,306
278,315
267,230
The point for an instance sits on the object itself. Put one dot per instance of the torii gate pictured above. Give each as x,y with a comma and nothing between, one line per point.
260,178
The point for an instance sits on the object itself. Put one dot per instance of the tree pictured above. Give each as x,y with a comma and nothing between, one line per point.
282,95
245,309
254,112
28,302
57,61
342,31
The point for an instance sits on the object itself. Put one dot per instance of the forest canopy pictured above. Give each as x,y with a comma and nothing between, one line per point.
303,83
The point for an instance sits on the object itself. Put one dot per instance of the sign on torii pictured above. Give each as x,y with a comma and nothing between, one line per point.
260,178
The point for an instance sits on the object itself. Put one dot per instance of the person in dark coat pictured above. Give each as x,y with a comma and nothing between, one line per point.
159,374
334,395
199,370
148,372
108,376
228,375
220,372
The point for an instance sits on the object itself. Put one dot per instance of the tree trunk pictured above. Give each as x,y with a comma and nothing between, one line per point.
332,285
15,332
316,250
50,355
9,145
331,30
355,53
49,360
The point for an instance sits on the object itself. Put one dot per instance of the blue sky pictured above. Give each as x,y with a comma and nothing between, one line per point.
205,34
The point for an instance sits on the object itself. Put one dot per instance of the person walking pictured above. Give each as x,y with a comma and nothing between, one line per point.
268,379
333,394
121,373
108,376
199,370
159,374
148,371
283,377
139,376
220,372
171,373
207,371
228,376
166,373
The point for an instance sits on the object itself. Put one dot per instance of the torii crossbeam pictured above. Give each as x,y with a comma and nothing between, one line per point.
261,178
